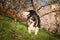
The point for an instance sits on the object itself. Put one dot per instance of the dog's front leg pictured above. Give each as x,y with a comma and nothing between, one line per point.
29,30
36,30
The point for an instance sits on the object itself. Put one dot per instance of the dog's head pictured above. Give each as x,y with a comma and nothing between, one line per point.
31,21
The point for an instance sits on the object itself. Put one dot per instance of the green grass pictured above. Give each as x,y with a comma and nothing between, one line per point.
11,30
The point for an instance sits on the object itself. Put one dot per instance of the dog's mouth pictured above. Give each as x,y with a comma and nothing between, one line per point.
31,22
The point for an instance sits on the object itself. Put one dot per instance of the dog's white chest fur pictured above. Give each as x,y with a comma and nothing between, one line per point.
31,28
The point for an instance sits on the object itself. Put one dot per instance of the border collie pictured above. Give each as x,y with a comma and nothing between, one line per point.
33,22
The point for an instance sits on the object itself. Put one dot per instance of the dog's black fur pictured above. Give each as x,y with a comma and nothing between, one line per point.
35,17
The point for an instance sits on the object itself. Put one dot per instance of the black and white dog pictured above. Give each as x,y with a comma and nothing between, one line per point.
33,22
